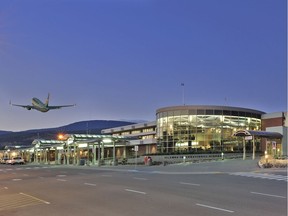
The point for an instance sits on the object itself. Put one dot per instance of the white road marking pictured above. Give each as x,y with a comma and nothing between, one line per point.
212,207
90,184
16,179
261,175
60,176
35,198
6,188
143,179
187,183
61,180
135,191
106,175
271,195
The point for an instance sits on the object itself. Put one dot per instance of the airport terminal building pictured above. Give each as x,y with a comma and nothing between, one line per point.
208,129
177,130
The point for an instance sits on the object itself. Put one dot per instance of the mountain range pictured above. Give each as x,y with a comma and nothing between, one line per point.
8,138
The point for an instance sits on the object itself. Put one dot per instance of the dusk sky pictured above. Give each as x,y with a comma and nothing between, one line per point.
123,59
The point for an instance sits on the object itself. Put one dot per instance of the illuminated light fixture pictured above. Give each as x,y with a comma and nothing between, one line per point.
107,140
60,136
83,145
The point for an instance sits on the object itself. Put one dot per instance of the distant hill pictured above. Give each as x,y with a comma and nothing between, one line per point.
26,137
4,132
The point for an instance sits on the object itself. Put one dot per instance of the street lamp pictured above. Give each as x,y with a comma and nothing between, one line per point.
60,136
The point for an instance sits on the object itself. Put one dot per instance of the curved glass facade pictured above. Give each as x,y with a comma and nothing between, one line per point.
198,128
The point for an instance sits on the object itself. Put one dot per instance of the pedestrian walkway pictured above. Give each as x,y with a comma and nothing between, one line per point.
261,175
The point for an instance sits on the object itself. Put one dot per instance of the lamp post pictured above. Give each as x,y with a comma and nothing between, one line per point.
136,150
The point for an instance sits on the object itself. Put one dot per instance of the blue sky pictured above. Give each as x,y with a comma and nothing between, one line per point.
123,59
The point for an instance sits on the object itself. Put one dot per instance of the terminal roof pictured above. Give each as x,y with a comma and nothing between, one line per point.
264,134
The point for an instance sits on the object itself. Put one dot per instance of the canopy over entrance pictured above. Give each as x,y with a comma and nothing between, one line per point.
264,134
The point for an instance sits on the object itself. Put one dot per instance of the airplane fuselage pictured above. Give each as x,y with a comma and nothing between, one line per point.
39,105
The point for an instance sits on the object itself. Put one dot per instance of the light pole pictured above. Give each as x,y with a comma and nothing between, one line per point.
183,98
136,150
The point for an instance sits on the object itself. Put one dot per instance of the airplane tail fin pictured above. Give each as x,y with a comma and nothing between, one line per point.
47,100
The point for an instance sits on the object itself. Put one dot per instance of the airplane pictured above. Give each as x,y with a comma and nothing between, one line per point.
40,106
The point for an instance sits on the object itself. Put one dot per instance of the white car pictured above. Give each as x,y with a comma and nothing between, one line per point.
16,160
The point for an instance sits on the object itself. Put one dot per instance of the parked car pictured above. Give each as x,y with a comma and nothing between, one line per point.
3,160
16,160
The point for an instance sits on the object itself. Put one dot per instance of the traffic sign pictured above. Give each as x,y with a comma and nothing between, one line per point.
136,148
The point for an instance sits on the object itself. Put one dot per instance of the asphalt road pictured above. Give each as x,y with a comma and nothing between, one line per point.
217,188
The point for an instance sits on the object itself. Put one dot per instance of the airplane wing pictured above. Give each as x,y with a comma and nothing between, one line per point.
59,107
28,107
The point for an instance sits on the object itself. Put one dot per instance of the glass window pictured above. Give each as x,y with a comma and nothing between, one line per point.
226,112
192,112
200,112
243,114
209,112
218,112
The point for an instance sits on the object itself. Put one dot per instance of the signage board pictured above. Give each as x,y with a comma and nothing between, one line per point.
248,137
273,145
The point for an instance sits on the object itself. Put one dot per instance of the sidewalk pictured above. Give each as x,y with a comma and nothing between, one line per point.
228,165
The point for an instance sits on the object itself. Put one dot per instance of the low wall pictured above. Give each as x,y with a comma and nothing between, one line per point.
169,159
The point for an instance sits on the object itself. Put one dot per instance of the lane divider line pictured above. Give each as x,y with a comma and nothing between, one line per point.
271,195
143,179
90,184
61,180
216,208
135,191
187,183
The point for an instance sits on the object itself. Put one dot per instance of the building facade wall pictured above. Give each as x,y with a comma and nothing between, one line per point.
275,122
141,135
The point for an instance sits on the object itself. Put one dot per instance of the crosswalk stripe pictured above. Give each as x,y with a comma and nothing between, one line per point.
261,175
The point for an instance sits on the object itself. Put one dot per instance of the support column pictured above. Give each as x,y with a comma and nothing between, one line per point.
68,155
78,156
56,156
35,156
88,154
99,154
244,149
102,151
124,151
48,156
114,159
253,155
94,154
74,154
